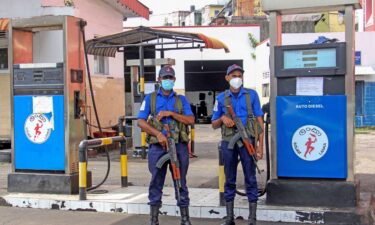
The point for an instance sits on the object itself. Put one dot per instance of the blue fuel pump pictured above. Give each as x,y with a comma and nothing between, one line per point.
312,111
48,92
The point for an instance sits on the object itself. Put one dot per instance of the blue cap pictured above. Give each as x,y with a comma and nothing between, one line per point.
166,71
233,68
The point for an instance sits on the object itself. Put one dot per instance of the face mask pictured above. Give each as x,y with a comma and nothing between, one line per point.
167,84
235,83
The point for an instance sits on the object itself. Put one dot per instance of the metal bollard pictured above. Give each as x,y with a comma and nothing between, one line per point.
82,154
123,156
192,142
221,176
143,145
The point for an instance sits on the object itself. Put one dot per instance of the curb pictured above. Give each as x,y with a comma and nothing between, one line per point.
264,213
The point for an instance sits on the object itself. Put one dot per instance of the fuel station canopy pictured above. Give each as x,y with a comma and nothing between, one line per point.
145,36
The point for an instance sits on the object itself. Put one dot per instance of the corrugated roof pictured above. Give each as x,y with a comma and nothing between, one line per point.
109,45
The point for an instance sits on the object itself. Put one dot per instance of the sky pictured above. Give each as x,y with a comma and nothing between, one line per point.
160,8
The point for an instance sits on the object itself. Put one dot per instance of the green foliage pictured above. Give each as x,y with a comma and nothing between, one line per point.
253,43
69,2
364,130
253,55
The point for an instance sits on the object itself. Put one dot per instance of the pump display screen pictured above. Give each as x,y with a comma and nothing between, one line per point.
310,58
327,59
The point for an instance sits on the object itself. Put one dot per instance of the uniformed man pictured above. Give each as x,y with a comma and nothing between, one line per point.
246,105
159,108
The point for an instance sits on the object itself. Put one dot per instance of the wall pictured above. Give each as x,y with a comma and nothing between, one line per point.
288,27
208,12
368,117
110,100
194,19
102,20
101,17
235,37
53,2
178,18
244,8
330,23
262,69
30,8
5,106
109,94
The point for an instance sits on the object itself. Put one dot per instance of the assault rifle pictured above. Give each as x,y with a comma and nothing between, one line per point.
171,156
241,134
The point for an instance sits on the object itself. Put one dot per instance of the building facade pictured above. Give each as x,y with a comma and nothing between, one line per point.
209,12
103,17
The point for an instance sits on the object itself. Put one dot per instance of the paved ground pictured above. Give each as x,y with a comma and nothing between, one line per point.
202,173
20,216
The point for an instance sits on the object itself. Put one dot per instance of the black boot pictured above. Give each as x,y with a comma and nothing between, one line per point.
185,220
154,215
229,220
252,213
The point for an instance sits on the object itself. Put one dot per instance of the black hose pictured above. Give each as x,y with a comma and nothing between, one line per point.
103,128
82,25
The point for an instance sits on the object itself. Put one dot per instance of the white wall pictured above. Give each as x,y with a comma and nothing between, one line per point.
262,69
190,19
236,38
30,8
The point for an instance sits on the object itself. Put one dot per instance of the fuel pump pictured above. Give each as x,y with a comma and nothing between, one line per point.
47,91
311,112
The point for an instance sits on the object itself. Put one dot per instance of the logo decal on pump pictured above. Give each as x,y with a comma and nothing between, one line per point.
310,142
37,128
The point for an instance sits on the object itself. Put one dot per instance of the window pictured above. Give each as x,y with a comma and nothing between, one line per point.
265,90
3,59
101,65
216,12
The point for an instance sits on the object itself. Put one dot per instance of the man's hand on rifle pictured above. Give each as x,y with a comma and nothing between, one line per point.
259,152
163,114
228,122
162,140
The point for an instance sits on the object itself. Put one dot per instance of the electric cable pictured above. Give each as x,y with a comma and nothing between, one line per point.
82,25
103,128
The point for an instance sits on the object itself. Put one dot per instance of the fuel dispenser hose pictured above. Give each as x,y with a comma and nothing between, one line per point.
261,192
82,25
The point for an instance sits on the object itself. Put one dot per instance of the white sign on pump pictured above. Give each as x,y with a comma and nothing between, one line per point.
309,86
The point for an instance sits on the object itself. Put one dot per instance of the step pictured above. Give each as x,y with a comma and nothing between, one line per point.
204,203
